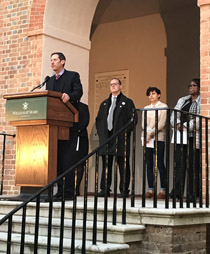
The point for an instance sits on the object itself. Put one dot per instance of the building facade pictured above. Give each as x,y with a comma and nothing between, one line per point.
156,43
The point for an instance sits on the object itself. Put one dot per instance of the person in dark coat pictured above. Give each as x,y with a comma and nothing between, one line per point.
68,83
82,140
190,103
113,114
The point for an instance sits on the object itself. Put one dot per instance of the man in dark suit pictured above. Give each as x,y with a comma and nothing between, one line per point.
113,114
68,83
82,143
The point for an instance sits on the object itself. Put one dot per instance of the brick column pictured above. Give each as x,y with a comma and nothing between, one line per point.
205,69
205,55
21,26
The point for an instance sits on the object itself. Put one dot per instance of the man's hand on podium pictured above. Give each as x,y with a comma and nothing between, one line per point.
65,97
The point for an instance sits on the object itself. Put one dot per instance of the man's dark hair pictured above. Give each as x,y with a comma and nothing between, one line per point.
151,89
196,81
119,81
60,56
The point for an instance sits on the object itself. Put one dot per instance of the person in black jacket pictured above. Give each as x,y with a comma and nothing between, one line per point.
68,83
113,114
82,140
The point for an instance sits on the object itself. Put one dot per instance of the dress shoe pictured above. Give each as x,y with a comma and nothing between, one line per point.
149,194
121,195
58,195
192,198
69,197
102,193
161,195
171,195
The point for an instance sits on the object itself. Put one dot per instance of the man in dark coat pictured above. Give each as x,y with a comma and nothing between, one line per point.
68,83
113,114
82,143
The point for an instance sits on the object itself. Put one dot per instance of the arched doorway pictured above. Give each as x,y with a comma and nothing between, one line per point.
149,40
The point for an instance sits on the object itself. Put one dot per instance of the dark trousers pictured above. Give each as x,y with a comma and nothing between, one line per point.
69,156
66,159
181,166
160,164
120,162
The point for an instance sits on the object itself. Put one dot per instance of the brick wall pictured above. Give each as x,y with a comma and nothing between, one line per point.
205,70
180,239
21,24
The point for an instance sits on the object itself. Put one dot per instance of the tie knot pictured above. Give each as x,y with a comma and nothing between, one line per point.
57,76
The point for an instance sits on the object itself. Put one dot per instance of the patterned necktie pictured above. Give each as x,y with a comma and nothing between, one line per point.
57,76
110,115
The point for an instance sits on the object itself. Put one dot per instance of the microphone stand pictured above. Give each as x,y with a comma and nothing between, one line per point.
42,84
39,86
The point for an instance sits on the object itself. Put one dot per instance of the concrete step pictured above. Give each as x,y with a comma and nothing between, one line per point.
132,214
115,233
42,246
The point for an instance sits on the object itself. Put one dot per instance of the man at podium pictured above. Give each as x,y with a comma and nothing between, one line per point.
69,84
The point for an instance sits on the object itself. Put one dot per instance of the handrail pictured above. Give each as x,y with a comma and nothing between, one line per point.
66,172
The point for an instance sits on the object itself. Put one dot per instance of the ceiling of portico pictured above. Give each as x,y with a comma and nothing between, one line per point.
115,10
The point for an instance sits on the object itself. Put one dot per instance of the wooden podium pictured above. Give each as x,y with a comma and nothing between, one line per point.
41,119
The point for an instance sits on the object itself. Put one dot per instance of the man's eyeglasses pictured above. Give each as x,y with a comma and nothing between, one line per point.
192,85
114,84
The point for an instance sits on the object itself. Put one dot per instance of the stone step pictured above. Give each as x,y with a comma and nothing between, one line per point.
115,233
132,214
42,245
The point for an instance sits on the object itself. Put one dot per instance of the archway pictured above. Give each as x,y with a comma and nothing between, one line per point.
148,39
67,29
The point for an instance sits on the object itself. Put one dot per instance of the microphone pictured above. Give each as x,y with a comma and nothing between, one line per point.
42,84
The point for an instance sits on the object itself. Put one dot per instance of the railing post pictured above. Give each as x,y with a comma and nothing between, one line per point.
188,166
207,164
73,229
156,160
114,220
36,236
183,163
200,164
167,157
124,180
85,208
22,242
62,217
144,160
50,195
133,163
105,197
194,162
9,235
95,200
175,158
2,170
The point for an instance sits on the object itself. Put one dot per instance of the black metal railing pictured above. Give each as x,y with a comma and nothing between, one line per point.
49,188
193,137
197,129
